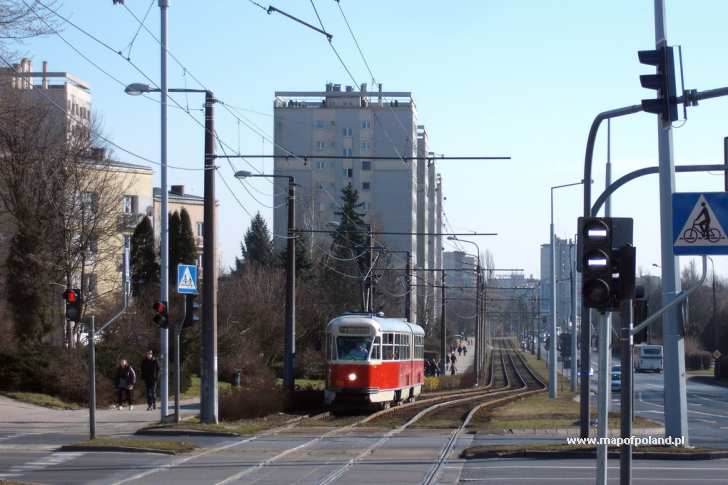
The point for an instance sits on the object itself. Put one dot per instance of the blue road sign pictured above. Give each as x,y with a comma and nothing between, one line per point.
698,222
187,279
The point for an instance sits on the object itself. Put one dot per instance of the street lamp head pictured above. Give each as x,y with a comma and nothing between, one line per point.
241,174
136,89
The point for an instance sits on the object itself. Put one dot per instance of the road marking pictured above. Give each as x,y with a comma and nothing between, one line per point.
582,467
689,410
180,461
708,421
530,479
54,459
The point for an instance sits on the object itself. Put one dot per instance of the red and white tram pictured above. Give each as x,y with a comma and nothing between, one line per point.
373,359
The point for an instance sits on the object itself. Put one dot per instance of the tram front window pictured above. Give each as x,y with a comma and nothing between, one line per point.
353,348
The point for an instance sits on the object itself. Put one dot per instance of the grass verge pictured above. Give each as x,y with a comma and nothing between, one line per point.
194,390
240,427
134,444
306,384
44,400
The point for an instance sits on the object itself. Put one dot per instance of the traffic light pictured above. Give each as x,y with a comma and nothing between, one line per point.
596,239
161,315
191,309
623,274
72,296
664,82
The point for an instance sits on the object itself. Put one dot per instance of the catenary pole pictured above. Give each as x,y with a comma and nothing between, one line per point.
552,348
164,214
290,330
443,324
675,398
208,388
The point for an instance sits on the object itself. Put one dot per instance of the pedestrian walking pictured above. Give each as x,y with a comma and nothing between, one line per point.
125,380
465,351
460,351
150,376
453,359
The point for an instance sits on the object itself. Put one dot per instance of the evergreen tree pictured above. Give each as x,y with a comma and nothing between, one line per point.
182,248
257,245
350,237
187,247
144,266
173,241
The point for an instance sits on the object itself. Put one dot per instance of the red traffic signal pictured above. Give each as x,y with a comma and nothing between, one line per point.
72,296
161,317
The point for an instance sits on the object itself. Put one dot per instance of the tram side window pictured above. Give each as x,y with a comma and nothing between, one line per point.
419,347
388,346
377,349
406,347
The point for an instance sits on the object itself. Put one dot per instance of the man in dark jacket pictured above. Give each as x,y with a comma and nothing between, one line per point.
150,375
125,381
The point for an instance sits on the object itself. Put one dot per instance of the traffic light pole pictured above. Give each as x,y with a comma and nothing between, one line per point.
627,393
92,379
290,325
675,398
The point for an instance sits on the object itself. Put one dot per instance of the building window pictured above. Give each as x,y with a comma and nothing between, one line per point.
200,229
366,124
365,185
348,172
347,152
319,124
366,165
347,131
320,164
364,146
130,203
320,145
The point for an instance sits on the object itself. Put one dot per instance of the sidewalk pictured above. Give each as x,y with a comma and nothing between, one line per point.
17,417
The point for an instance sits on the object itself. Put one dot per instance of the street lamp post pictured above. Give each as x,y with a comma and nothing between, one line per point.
208,384
552,348
478,331
289,339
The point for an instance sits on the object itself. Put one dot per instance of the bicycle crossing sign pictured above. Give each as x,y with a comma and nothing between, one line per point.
698,222
187,279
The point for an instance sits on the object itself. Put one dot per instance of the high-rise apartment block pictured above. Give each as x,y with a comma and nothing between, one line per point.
328,139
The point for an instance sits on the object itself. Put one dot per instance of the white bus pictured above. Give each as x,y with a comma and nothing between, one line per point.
648,358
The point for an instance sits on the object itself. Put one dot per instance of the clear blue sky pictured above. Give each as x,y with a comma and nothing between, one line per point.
511,77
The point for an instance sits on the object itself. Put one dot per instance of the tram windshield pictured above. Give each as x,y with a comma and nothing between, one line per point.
353,348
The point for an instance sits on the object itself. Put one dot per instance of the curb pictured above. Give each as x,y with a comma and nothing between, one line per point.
567,432
123,449
554,455
185,432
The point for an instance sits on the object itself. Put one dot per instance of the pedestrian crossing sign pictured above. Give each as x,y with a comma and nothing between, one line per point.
698,223
187,279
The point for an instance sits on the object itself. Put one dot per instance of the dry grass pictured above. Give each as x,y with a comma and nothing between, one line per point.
39,399
141,444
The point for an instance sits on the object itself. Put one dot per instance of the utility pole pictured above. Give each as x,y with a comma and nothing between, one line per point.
370,293
478,329
208,387
675,399
408,295
290,335
443,325
574,326
164,214
553,376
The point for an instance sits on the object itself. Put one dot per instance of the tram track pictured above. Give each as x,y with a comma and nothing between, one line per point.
504,385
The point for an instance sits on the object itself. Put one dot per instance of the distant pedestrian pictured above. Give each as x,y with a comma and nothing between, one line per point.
150,376
460,351
125,380
465,351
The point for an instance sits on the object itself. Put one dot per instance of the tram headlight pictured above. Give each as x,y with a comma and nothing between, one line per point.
352,376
